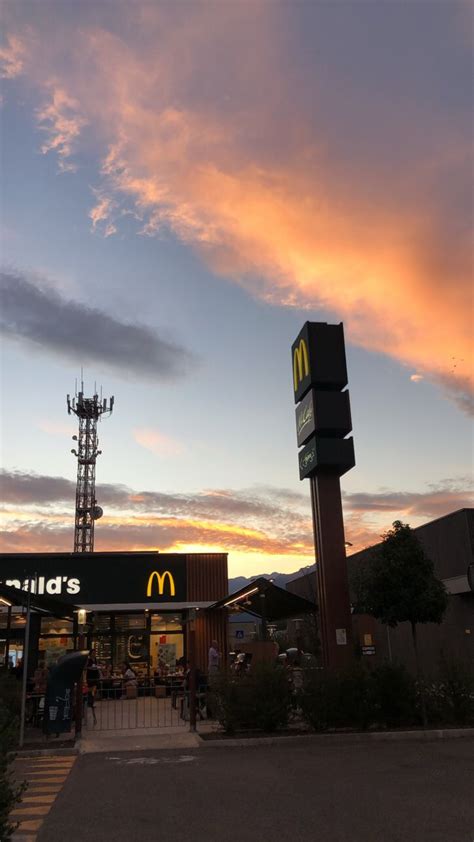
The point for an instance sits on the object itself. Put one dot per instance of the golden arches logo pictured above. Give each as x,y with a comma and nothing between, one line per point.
300,363
160,578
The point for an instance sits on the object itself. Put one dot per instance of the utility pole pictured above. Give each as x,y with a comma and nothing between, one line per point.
88,411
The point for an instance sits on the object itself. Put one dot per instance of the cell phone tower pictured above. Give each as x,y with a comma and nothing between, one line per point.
89,411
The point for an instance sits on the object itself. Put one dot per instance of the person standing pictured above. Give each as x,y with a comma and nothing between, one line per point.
93,679
214,658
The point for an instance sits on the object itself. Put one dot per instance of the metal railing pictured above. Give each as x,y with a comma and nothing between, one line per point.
132,707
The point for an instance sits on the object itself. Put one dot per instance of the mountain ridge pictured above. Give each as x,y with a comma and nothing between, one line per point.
279,579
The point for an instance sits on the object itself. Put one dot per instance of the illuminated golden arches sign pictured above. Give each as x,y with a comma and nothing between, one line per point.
160,578
300,363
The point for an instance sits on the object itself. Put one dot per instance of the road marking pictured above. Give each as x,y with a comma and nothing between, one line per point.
40,799
24,837
43,766
33,810
151,761
32,790
49,758
32,825
70,759
51,770
44,777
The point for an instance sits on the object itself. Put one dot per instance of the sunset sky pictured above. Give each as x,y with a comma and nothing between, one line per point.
183,186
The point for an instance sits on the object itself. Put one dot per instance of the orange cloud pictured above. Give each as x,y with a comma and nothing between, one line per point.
157,442
60,120
11,58
100,214
56,428
237,171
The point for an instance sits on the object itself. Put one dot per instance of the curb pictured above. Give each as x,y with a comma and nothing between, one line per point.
340,739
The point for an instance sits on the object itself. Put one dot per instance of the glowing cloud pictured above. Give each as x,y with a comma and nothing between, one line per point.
11,58
277,188
156,442
62,124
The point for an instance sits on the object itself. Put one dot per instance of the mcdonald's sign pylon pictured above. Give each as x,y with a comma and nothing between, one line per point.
323,420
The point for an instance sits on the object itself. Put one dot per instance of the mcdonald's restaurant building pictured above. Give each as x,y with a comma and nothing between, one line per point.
129,606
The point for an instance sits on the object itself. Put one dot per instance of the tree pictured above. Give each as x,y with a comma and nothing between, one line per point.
398,585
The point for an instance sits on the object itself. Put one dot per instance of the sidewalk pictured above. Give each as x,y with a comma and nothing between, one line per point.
134,739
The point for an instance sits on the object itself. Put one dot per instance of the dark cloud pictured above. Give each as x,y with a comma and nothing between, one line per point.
35,313
33,489
439,500
263,519
20,488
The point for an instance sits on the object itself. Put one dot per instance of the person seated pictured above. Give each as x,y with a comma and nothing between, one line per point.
40,680
129,677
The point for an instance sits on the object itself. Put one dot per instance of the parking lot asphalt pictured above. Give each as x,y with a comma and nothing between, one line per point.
384,792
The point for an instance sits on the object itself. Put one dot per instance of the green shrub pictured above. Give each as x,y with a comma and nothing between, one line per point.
319,699
458,685
271,696
395,695
450,697
10,793
258,700
356,698
339,700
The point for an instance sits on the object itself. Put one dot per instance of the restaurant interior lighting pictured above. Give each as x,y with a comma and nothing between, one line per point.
6,602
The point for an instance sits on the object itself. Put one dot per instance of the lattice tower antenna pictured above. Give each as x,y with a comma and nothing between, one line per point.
88,411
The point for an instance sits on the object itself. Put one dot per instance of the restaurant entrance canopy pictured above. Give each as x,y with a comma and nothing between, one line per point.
264,599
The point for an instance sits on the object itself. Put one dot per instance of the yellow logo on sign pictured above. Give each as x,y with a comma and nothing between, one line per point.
300,363
160,578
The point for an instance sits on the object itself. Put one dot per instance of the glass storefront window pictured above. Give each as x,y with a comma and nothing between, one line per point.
103,649
51,625
100,622
17,621
52,648
133,648
15,652
166,622
124,622
165,651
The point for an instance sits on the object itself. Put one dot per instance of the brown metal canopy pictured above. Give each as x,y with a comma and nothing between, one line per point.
264,599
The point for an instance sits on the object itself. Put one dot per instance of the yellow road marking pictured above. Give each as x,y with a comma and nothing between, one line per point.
45,758
50,765
35,810
40,799
33,789
33,825
37,774
49,758
42,772
51,780
24,837
45,764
